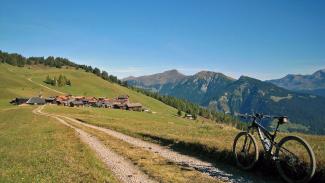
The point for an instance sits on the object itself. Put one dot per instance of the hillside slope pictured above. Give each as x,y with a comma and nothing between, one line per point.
15,83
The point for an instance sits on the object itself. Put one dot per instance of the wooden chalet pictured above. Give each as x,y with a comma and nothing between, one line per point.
76,103
50,100
134,106
36,101
117,105
122,99
19,101
62,100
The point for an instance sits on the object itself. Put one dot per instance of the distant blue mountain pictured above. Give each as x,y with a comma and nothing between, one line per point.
311,84
245,95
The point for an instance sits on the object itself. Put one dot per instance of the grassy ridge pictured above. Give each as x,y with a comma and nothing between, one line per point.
39,149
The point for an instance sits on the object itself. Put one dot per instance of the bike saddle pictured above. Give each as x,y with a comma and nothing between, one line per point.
282,119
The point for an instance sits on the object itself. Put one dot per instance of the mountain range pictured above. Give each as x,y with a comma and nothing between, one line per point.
313,84
293,95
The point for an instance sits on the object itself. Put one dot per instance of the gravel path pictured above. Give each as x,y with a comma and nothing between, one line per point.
166,153
226,174
123,169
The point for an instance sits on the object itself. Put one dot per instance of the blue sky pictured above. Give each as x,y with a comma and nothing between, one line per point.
262,39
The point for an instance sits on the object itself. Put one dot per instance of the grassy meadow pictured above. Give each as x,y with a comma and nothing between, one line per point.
36,148
39,149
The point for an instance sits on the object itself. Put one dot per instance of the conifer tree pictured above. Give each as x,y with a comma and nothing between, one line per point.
179,113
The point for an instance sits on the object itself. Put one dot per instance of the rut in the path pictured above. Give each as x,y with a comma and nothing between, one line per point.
123,169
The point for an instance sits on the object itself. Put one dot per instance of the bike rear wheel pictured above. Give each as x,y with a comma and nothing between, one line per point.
245,150
295,160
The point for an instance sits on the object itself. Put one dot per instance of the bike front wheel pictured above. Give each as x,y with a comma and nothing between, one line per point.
245,150
295,160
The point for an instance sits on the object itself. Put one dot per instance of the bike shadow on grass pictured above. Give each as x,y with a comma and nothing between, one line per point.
222,163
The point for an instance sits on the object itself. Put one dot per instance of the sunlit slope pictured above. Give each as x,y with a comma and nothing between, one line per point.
14,81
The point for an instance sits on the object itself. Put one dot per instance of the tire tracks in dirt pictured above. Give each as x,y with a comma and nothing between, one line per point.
123,169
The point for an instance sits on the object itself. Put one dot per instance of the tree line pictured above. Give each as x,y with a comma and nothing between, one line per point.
58,62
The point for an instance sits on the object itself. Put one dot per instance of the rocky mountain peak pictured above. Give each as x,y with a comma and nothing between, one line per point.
210,75
173,71
319,74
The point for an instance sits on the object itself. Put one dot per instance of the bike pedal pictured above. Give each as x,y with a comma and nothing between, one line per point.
274,158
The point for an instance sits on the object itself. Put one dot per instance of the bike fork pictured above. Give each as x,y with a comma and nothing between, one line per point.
246,137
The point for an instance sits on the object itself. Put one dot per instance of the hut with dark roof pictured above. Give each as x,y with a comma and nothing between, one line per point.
76,103
19,101
134,106
36,101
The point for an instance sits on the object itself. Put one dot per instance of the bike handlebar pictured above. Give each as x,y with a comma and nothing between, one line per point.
260,116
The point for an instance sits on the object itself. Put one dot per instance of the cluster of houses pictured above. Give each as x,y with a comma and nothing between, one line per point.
120,102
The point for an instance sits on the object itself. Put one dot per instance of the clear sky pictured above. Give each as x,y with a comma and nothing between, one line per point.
261,38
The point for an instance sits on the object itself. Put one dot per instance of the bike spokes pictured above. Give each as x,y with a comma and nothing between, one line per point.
245,150
294,160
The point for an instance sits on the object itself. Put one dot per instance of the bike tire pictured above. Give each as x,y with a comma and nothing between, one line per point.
311,155
255,156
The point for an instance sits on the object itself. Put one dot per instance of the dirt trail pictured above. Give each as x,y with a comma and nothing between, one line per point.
123,169
227,174
30,79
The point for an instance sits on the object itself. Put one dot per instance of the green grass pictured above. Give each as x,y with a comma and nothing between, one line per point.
39,149
14,83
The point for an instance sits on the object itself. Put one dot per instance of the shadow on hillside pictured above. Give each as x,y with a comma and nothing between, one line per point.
224,160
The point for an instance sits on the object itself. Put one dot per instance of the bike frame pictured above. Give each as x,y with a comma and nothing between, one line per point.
263,133
281,154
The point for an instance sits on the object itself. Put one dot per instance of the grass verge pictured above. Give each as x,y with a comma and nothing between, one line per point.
39,149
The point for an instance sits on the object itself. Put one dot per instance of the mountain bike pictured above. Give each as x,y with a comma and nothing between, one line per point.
293,156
